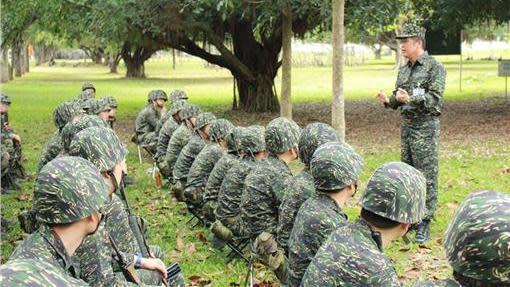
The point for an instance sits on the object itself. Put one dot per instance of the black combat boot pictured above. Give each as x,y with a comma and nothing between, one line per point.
423,232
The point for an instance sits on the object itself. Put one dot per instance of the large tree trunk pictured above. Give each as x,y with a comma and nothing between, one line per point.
286,95
113,63
4,75
16,59
135,60
337,106
97,56
256,95
24,60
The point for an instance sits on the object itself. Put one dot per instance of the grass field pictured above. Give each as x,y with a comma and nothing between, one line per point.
474,152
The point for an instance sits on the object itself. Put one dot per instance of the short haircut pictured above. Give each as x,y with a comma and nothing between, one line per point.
377,220
422,40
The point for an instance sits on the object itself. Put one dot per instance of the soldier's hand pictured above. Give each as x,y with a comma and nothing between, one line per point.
154,264
402,96
16,138
382,97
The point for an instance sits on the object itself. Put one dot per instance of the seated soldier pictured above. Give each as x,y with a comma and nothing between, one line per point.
44,257
89,89
103,148
205,161
176,96
12,166
228,220
229,159
165,134
112,115
190,151
301,187
101,108
147,121
353,255
477,242
181,137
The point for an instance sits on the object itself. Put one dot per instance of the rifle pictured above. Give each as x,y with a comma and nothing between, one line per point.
127,269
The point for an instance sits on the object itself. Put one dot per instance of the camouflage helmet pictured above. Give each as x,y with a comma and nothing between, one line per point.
99,145
233,139
252,139
204,119
64,113
313,136
86,86
176,107
410,30
157,94
68,189
281,135
334,166
477,241
71,129
5,99
100,106
396,191
220,129
189,111
84,96
112,102
177,95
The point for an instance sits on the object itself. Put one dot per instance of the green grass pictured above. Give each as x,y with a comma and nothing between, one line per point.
464,167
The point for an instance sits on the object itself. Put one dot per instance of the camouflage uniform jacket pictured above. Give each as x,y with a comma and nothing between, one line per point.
35,273
146,124
203,164
438,283
424,82
6,133
351,256
44,245
299,189
262,196
217,175
51,150
229,197
165,134
187,157
317,218
179,139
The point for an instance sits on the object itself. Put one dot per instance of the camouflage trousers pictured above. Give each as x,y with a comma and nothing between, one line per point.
420,144
152,278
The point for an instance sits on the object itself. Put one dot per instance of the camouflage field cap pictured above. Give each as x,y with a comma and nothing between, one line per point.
396,191
71,129
281,135
100,146
233,139
335,165
5,99
176,107
204,119
410,30
177,95
477,241
313,136
220,128
68,189
252,139
112,102
189,111
100,106
157,94
86,86
64,113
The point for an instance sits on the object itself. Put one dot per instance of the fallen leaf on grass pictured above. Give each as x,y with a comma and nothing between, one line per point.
505,171
198,281
23,197
410,274
180,244
190,248
201,236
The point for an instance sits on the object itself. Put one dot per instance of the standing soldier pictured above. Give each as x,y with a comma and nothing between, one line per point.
147,121
477,242
353,255
419,96
69,197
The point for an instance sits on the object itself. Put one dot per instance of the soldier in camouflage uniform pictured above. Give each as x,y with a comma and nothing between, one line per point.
69,196
353,255
101,108
477,242
64,113
229,159
419,96
178,95
335,168
205,162
103,148
74,127
89,89
112,115
300,188
165,134
85,102
228,220
264,185
181,137
146,123
12,168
